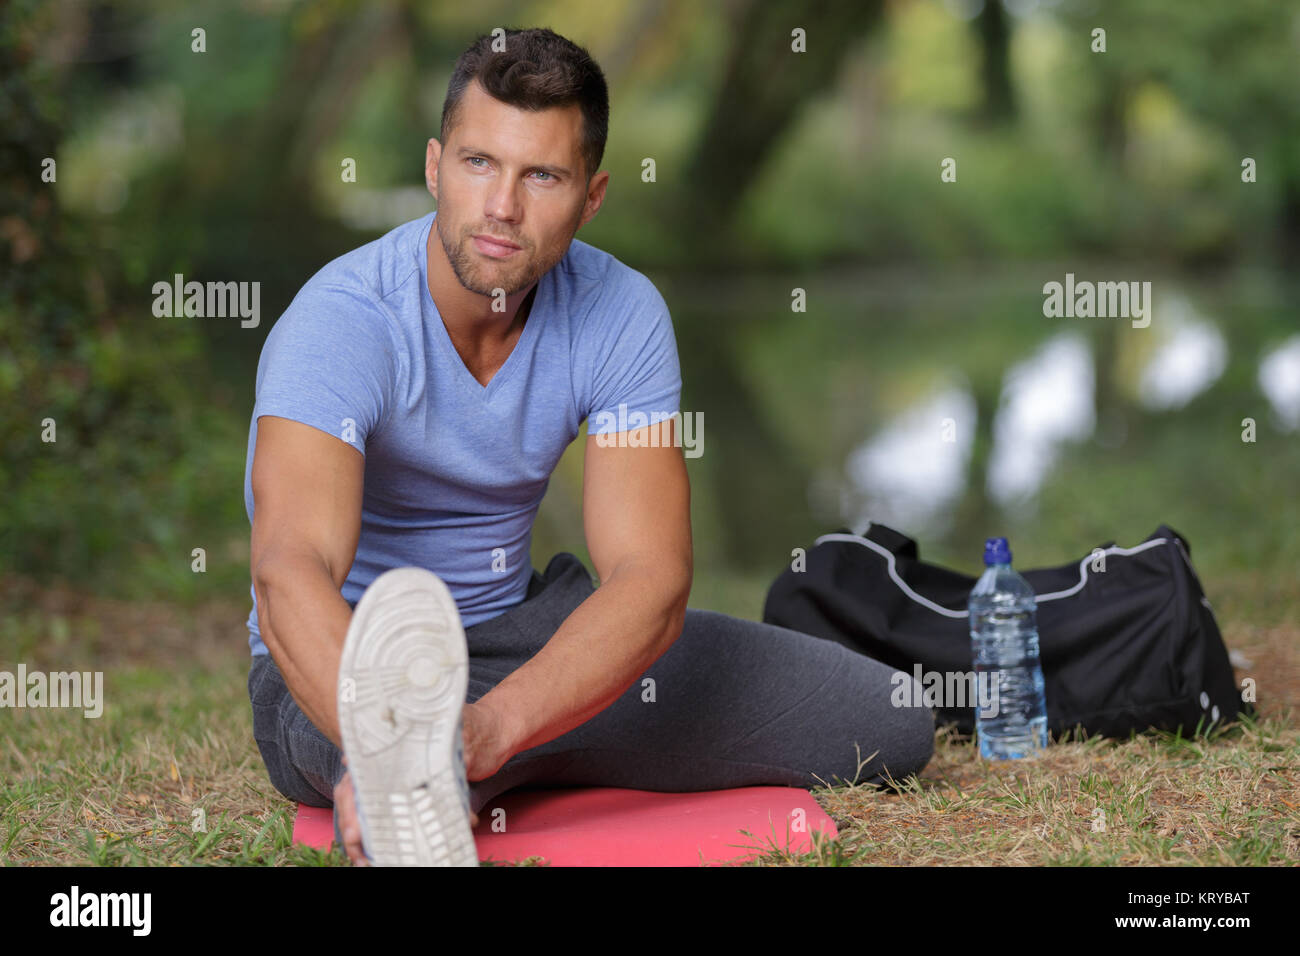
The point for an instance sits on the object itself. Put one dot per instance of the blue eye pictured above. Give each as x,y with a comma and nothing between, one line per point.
473,158
542,172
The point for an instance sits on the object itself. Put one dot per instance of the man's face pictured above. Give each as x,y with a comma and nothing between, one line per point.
513,175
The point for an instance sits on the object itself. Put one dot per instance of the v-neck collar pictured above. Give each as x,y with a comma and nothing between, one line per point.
522,344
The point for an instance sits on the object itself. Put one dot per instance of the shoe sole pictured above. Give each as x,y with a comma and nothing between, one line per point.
406,657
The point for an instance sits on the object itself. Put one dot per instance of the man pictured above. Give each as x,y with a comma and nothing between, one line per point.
412,403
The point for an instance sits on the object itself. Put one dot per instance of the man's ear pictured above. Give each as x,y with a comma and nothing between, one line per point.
595,197
432,154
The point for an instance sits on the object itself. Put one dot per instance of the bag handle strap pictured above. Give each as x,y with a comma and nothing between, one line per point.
897,542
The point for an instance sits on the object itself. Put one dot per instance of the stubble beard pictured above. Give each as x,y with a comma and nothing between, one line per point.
478,276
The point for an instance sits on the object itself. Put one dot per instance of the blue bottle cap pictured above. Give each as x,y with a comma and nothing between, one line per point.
997,551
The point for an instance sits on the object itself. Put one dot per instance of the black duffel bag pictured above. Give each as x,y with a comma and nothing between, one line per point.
1125,649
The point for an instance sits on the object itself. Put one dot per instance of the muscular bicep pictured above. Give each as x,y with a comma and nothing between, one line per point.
307,490
636,502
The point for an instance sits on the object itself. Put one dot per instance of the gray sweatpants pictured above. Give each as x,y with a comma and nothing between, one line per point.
735,703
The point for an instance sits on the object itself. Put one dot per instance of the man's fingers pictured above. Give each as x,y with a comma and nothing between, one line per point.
349,824
355,852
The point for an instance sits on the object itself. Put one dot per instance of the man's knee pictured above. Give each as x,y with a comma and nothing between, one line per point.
301,762
908,745
914,742
880,741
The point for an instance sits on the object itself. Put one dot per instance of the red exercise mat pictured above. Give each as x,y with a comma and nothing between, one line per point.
610,826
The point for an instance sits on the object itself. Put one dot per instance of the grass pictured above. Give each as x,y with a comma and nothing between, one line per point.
169,775
1224,799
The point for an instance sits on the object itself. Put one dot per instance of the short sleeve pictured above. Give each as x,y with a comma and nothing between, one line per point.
330,362
637,372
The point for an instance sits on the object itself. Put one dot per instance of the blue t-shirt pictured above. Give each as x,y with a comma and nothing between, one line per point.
455,470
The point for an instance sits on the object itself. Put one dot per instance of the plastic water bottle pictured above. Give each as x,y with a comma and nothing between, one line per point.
1011,709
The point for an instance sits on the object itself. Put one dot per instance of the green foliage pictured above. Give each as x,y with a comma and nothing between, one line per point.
139,467
226,165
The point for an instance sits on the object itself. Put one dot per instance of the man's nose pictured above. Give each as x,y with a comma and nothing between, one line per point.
503,200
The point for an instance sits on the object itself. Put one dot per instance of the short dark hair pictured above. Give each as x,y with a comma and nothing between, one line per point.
537,70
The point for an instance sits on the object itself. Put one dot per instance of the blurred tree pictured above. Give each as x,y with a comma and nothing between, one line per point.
1232,66
81,361
994,34
765,87
976,511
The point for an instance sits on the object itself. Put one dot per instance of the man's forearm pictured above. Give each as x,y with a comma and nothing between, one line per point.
304,620
608,641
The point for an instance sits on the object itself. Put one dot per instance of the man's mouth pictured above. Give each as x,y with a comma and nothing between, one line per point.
494,247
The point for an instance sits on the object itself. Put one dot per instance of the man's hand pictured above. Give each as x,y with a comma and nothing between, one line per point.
487,746
345,799
345,806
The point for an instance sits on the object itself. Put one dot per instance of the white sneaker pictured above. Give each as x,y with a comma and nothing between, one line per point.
402,682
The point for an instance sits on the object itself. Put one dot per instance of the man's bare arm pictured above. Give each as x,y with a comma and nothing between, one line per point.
636,515
307,489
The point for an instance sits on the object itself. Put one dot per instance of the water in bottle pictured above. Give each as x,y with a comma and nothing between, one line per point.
1011,712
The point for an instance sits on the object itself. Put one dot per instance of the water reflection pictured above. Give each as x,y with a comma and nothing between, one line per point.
375,209
1279,380
1046,399
909,476
911,473
1189,359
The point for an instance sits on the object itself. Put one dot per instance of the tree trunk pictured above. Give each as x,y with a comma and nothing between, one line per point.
764,87
995,71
